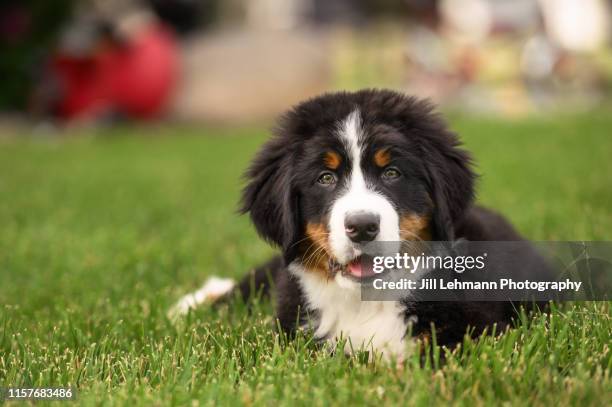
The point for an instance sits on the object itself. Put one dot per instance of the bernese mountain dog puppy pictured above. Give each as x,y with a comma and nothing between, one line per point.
348,168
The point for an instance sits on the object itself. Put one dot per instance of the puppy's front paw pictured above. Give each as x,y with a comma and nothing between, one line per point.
212,289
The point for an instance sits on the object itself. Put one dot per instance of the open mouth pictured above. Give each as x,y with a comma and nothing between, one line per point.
358,269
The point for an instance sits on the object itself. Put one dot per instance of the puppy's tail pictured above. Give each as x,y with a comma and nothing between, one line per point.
257,282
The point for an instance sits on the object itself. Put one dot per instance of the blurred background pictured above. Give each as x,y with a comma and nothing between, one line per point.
67,62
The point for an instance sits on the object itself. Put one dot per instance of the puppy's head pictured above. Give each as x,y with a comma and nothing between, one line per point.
345,169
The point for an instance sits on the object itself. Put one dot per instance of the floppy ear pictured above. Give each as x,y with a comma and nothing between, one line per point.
451,183
269,197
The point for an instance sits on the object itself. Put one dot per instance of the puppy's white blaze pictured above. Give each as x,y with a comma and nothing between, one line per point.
358,197
212,289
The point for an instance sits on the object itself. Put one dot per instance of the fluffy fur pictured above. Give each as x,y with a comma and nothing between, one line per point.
370,165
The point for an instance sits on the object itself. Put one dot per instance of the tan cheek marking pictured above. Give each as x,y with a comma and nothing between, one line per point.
382,157
332,160
415,227
315,257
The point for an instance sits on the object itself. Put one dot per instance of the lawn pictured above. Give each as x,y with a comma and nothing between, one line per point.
101,232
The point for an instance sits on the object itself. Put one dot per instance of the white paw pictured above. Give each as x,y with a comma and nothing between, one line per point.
212,289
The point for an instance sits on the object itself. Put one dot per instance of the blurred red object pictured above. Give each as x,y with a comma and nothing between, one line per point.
133,79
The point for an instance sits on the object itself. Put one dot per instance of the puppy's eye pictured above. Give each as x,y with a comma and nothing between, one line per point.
391,173
327,178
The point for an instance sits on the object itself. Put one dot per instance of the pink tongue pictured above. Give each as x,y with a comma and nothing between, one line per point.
355,268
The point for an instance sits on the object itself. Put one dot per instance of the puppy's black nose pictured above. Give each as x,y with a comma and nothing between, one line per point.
362,226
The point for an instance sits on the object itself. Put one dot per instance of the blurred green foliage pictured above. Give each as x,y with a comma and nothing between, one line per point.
21,54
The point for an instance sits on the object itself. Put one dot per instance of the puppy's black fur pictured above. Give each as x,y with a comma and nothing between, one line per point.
439,186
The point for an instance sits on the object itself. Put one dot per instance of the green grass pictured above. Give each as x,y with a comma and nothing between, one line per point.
100,235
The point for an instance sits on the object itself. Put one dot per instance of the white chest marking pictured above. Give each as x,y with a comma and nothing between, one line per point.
366,325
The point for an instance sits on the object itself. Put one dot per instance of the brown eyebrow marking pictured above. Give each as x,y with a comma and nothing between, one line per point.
382,157
332,160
